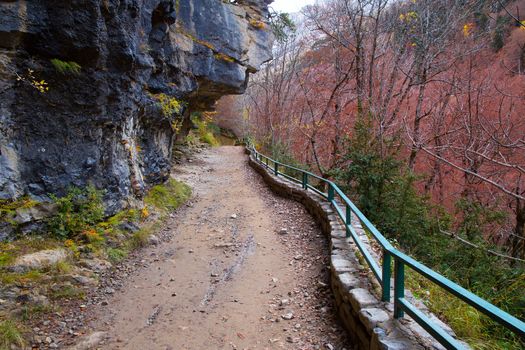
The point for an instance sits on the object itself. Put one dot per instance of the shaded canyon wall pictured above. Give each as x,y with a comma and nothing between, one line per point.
81,81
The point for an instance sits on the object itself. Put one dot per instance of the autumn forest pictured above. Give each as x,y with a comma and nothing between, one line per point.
416,109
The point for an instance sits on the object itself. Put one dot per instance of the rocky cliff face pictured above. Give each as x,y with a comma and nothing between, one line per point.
96,91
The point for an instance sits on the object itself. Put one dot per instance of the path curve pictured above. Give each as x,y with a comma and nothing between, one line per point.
228,279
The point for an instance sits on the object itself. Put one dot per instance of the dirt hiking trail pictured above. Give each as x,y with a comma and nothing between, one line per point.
243,269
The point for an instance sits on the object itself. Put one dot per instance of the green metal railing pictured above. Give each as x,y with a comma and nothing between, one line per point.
344,209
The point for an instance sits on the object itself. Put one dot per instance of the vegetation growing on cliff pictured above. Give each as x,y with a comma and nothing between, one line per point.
78,212
64,67
172,109
205,129
29,78
80,227
9,208
169,196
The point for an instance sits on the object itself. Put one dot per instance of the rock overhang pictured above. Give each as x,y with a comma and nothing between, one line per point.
103,125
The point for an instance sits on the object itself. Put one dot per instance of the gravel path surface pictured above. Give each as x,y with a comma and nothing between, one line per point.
238,268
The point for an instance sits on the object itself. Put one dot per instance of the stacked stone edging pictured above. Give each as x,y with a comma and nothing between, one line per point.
369,321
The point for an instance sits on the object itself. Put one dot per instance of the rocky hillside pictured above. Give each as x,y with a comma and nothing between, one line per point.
96,91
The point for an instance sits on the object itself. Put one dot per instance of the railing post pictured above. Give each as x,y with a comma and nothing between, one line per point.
330,192
399,286
305,181
387,274
276,168
348,220
267,162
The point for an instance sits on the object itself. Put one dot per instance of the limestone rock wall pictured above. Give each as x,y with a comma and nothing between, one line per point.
102,123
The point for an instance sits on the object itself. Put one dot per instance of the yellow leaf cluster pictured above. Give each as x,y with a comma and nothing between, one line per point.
92,236
40,85
170,105
257,24
408,17
467,29
144,213
176,125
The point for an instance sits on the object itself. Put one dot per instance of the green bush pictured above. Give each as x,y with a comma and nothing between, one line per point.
10,334
384,189
115,254
69,292
168,196
209,138
191,139
500,33
78,211
205,130
64,67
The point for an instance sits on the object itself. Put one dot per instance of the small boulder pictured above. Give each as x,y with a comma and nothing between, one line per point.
153,240
287,316
84,281
90,342
33,299
37,212
129,226
38,260
96,264
283,231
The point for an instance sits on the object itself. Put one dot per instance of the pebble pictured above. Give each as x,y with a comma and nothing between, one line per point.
287,316
153,240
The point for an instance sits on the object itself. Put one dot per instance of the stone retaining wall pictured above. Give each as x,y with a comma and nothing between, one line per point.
369,321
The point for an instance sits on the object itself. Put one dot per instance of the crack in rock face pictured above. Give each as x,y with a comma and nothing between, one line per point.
106,66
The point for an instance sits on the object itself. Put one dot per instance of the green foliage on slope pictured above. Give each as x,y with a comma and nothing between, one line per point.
64,67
